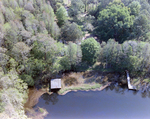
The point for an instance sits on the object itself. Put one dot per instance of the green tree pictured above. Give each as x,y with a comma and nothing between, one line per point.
114,22
90,50
135,8
73,56
71,32
62,15
20,52
55,4
141,28
77,7
13,94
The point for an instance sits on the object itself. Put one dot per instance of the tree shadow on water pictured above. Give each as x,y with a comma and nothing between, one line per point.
53,98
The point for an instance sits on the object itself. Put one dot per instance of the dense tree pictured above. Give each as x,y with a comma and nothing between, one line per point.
20,52
97,6
135,8
71,32
62,16
131,55
141,28
90,49
12,96
77,7
55,4
3,61
114,22
31,54
72,57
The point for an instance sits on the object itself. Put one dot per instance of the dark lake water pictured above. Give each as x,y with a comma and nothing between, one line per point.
111,103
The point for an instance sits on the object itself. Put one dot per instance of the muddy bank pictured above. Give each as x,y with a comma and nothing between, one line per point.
33,98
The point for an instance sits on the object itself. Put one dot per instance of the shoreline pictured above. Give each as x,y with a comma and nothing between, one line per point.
65,91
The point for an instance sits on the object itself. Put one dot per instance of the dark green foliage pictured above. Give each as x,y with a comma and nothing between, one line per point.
141,28
55,4
114,22
71,32
131,55
28,79
64,63
100,5
77,7
90,49
62,16
30,29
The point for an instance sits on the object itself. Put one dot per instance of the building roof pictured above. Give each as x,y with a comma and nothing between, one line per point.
55,83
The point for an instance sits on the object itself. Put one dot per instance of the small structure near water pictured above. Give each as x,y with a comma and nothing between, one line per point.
55,84
130,87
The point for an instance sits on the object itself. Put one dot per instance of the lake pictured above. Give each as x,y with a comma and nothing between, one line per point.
113,102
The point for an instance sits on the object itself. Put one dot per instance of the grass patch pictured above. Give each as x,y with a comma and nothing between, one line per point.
82,87
41,110
136,81
147,80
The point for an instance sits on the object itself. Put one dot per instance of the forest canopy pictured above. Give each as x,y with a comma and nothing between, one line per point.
41,38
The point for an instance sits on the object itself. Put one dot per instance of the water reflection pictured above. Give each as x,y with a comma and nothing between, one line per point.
117,88
123,89
53,98
114,102
144,94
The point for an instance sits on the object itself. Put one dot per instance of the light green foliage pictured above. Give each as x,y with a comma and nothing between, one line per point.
12,95
71,32
20,52
135,8
90,49
73,56
12,35
73,53
61,15
9,14
114,22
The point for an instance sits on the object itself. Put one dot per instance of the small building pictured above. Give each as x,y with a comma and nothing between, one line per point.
55,84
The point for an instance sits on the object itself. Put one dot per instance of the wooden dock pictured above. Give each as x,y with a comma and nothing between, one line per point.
130,87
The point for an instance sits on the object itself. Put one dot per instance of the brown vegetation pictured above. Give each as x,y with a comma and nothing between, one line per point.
88,80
